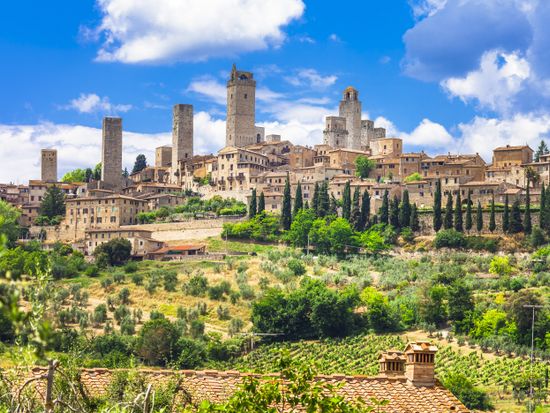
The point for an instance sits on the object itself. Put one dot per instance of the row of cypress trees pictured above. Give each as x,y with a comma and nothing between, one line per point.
399,214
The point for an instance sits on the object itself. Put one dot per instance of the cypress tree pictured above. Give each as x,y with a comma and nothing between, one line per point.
365,210
315,205
527,226
516,225
306,205
542,214
355,217
437,221
448,219
324,200
492,220
384,211
333,208
346,201
506,216
261,203
394,212
458,213
252,208
479,217
286,217
468,224
298,200
546,216
415,222
405,211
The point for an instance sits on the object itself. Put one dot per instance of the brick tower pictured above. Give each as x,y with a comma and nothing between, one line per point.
241,109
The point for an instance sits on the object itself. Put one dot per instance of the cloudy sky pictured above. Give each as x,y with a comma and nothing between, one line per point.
445,75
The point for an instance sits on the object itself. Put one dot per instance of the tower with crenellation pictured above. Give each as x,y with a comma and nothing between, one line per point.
241,110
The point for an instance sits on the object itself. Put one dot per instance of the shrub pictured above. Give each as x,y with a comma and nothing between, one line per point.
449,238
192,354
500,266
157,342
464,390
124,296
296,266
100,314
116,251
478,243
537,237
131,267
170,279
137,278
91,271
196,286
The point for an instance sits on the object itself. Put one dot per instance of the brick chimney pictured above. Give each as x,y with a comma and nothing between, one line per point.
392,363
420,367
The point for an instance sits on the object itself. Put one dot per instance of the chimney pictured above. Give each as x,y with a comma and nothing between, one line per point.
420,368
392,363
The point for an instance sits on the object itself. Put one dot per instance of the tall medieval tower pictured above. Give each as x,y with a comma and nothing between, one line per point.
49,165
111,153
350,109
182,137
241,109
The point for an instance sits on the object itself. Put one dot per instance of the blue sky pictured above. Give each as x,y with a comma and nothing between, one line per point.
455,75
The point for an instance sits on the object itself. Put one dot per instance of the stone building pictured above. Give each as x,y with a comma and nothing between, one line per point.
236,167
505,156
182,137
386,146
163,156
241,110
111,153
369,133
350,110
49,165
335,134
141,241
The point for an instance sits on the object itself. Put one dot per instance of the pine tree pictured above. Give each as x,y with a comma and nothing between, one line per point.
527,225
542,214
261,203
53,203
355,218
333,208
286,217
541,150
468,224
437,222
125,173
252,208
405,211
448,219
394,212
365,210
140,164
346,201
516,226
492,220
458,213
479,217
506,216
415,221
324,200
384,211
298,199
315,202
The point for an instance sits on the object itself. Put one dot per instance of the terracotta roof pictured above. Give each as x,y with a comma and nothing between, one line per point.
189,247
218,386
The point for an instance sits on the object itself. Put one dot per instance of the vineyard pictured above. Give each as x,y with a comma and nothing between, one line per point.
359,355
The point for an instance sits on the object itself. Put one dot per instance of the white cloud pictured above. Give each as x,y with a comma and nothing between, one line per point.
494,85
209,88
428,135
334,37
311,78
150,31
423,8
92,103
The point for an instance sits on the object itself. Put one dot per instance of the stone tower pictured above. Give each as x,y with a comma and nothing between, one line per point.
182,137
49,165
241,109
335,133
111,153
163,156
350,108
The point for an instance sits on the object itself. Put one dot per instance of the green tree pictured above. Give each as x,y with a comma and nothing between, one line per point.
252,207
125,173
415,221
324,200
116,251
9,227
355,217
433,309
346,201
53,203
516,226
542,209
448,220
405,211
384,211
315,202
333,208
365,211
378,311
298,199
469,223
286,217
341,235
76,175
363,166
299,230
479,217
492,219
261,203
522,316
157,342
461,305
140,164
458,213
506,215
527,226
89,174
97,172
541,150
394,212
437,221
472,397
